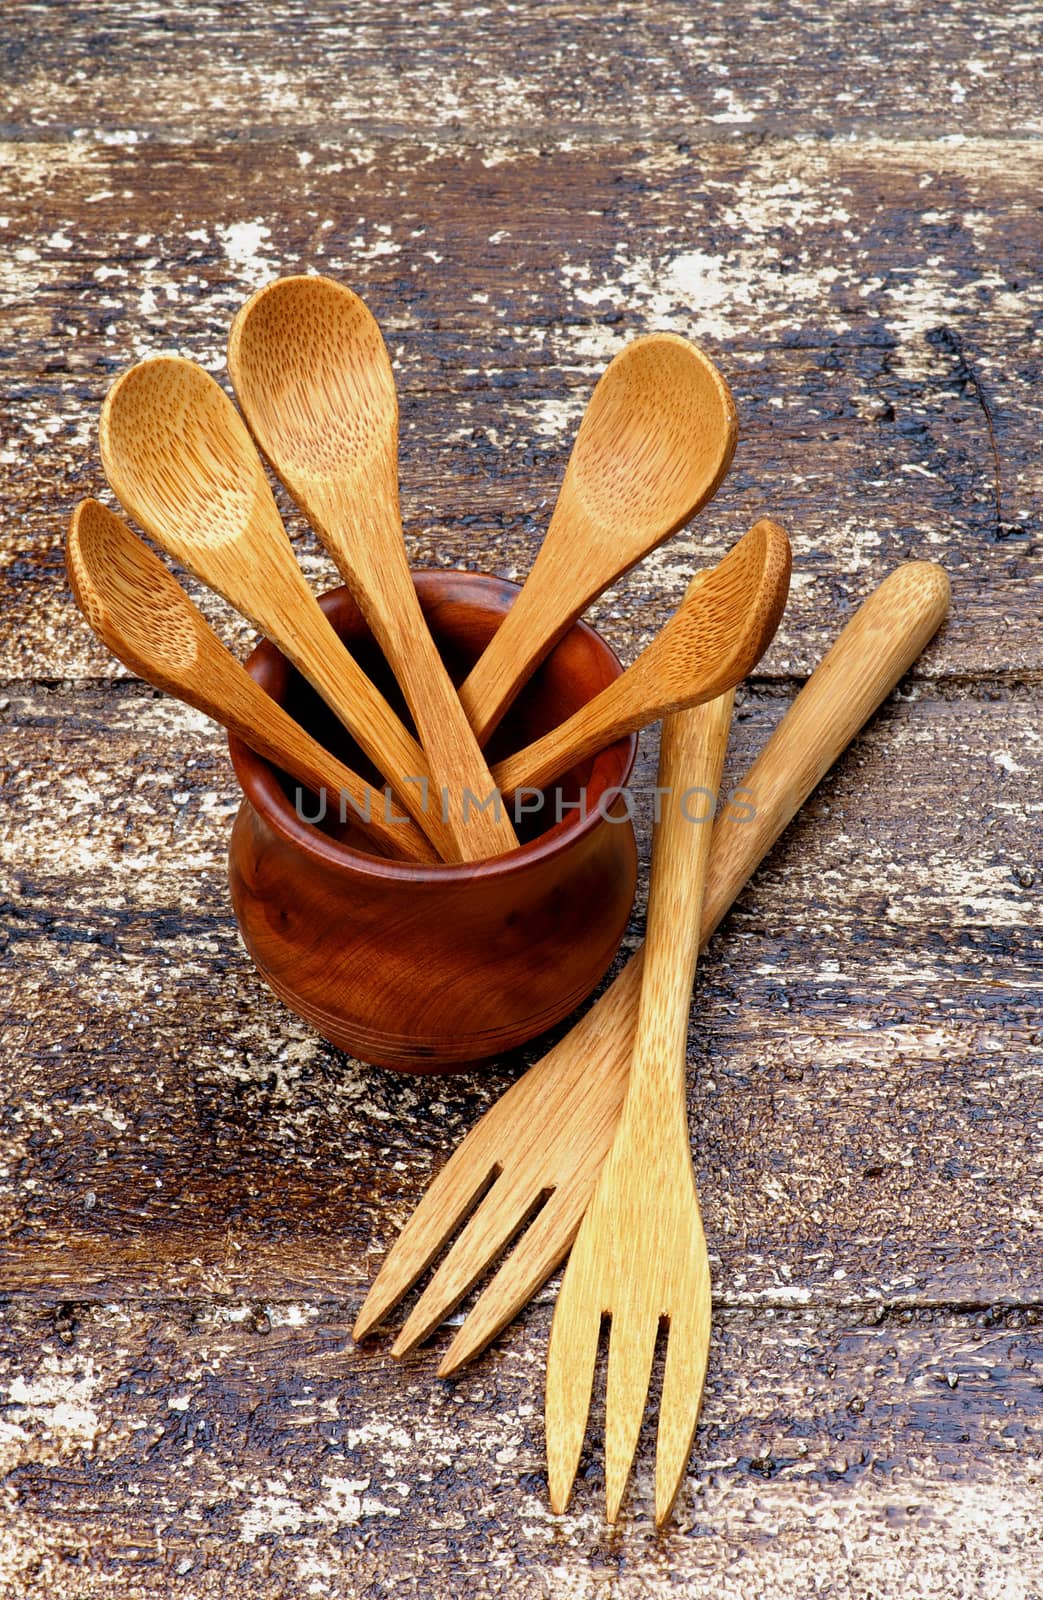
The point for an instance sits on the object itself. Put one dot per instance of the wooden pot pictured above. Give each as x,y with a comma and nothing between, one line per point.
433,968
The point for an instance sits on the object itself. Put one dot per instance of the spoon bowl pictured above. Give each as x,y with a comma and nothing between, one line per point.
310,368
140,611
717,635
180,459
653,447
314,379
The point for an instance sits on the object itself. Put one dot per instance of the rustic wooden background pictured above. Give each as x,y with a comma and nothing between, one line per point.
842,202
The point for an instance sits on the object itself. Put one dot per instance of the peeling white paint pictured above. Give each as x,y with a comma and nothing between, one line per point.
56,1398
245,244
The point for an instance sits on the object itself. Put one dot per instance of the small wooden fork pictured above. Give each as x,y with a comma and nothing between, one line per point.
640,1254
527,1169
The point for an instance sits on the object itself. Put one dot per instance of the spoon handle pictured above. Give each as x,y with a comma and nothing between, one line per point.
526,636
476,823
715,637
254,717
142,614
279,602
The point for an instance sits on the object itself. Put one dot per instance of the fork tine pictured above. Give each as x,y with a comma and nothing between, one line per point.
446,1203
687,1350
486,1233
543,1247
595,1112
455,1189
571,1356
631,1351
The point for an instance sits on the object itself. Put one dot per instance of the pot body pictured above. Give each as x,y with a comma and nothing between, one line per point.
433,968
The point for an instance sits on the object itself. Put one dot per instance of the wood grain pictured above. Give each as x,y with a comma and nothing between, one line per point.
313,379
888,407
563,69
843,209
175,1446
860,1069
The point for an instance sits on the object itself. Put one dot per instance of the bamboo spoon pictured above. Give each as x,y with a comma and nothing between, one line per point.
139,610
654,445
526,1170
640,1256
716,636
312,374
179,457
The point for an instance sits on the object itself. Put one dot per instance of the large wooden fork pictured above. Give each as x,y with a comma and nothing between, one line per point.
640,1257
533,1159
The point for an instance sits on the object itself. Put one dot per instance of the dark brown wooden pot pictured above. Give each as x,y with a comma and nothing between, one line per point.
433,968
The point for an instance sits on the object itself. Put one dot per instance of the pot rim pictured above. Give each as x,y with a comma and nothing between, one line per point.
261,788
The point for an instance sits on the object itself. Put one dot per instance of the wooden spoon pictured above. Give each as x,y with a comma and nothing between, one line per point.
139,610
312,374
716,636
179,457
656,441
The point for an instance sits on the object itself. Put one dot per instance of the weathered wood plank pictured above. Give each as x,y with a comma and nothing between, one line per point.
249,1450
875,326
864,1051
193,1190
537,70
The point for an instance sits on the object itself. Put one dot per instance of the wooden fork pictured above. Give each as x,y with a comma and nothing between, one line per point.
532,1160
640,1254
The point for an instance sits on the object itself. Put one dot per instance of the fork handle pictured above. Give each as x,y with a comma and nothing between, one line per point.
691,758
874,650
